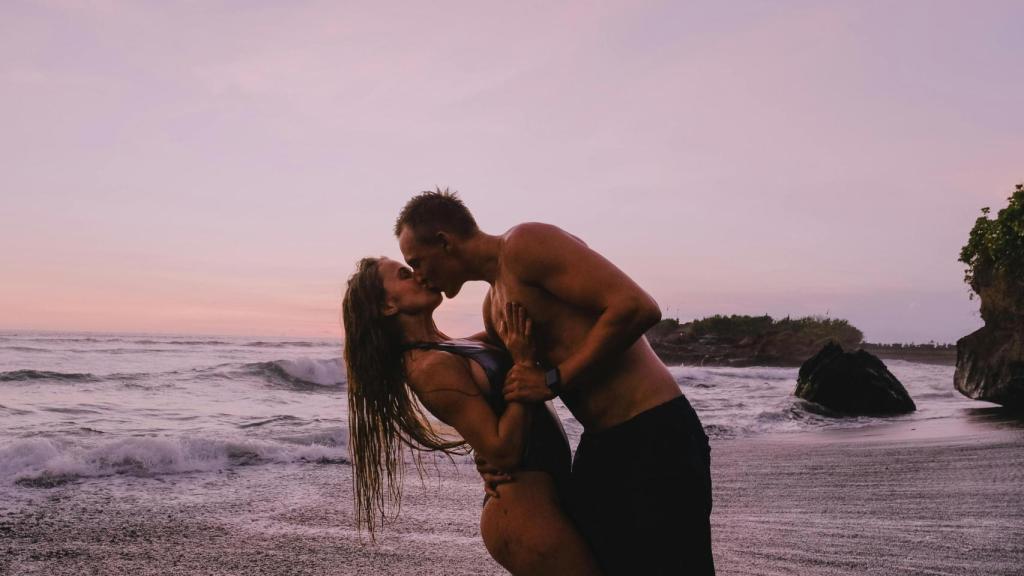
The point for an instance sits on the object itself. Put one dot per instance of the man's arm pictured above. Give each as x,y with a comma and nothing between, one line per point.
561,264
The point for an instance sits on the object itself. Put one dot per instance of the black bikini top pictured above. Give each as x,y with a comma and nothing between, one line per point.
495,361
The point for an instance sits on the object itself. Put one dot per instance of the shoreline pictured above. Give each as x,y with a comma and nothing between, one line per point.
908,498
921,355
681,359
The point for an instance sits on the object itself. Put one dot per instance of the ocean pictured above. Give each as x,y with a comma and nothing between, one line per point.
97,407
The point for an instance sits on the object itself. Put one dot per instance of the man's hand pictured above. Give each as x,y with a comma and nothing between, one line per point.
492,476
526,384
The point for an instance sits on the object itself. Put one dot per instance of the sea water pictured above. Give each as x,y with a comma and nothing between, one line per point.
89,407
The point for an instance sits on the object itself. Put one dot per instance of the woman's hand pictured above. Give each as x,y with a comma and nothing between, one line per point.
516,330
491,475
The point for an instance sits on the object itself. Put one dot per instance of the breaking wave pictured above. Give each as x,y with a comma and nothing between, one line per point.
303,372
43,462
299,372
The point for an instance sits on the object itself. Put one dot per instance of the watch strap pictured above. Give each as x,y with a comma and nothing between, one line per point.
553,378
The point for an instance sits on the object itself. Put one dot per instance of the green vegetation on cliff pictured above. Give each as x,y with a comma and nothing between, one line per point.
996,246
816,328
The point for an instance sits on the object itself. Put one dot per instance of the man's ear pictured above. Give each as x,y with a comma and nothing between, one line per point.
445,240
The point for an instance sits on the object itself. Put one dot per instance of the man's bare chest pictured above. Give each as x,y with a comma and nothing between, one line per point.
556,326
533,299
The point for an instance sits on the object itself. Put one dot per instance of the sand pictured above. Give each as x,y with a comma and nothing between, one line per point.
938,500
895,502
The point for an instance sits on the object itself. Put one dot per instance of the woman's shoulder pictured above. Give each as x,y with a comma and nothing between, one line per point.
427,368
443,382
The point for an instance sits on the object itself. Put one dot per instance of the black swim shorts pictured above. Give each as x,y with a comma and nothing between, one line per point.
641,493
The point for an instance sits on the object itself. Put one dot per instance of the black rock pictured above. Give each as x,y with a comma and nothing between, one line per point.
852,383
990,361
990,366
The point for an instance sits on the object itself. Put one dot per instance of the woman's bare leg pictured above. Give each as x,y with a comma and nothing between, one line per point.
527,531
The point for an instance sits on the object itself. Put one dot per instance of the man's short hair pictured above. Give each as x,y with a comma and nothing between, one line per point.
431,212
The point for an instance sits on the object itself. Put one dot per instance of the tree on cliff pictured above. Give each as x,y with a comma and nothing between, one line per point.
990,360
996,247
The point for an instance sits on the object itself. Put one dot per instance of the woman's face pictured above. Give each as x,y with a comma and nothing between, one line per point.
403,293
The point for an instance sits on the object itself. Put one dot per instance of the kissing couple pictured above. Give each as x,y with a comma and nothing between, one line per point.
560,321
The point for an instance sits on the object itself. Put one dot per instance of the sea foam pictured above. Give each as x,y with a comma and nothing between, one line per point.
44,461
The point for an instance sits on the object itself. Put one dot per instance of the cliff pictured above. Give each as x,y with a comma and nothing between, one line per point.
990,361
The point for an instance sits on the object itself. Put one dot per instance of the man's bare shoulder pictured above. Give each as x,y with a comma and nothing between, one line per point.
528,245
531,233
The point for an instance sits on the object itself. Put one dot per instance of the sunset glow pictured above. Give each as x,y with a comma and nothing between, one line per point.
219,168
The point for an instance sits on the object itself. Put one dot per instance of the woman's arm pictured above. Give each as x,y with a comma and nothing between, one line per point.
444,384
517,331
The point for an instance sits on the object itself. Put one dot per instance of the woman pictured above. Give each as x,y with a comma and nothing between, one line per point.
397,359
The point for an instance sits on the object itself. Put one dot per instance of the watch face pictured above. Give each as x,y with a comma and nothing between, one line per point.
552,377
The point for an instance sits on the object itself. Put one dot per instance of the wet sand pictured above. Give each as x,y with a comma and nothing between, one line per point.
932,499
887,500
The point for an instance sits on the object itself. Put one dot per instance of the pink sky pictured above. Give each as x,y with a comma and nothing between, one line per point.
219,167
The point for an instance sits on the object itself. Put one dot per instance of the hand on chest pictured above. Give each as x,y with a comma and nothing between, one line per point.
533,301
501,295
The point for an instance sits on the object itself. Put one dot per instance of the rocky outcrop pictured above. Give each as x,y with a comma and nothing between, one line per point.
990,366
852,383
1002,298
990,361
747,340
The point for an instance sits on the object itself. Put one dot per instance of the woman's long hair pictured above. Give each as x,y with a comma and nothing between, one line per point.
383,413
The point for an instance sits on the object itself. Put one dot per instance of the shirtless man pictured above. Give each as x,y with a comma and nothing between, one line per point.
641,485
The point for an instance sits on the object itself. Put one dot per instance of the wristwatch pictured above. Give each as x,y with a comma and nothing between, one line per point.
553,378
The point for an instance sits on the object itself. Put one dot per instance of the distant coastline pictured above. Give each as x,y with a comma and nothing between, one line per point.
941,354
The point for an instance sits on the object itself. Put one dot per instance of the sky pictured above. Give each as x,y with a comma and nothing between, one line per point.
219,167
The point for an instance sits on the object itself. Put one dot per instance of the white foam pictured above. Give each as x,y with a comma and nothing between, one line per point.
145,456
26,455
754,372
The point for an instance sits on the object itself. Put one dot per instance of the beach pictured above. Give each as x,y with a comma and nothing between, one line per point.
150,454
891,500
808,217
880,500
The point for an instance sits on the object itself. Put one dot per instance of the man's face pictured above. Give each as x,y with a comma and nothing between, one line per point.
434,265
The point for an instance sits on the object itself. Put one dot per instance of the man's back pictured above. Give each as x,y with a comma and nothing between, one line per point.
562,284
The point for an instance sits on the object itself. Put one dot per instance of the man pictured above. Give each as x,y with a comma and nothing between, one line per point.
641,486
